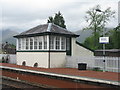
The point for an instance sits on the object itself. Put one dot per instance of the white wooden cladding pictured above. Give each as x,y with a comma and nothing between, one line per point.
111,63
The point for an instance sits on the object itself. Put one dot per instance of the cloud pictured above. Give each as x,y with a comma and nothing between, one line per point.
24,14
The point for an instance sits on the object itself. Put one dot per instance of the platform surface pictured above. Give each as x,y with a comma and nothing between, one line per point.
108,77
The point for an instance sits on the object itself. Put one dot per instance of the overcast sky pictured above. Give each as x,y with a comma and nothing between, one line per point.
21,15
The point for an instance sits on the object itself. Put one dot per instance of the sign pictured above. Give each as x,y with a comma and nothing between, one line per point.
104,40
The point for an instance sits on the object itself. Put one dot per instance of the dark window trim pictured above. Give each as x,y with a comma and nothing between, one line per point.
69,52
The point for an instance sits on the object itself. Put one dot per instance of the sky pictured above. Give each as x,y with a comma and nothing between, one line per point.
21,15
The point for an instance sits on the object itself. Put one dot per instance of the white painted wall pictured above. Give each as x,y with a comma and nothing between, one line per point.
33,57
57,59
79,55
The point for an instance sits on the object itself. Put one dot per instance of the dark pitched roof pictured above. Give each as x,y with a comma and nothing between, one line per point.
46,29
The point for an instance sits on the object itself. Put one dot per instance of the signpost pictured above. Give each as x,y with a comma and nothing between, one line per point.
104,40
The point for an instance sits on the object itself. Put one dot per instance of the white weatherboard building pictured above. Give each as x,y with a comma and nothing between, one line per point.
48,46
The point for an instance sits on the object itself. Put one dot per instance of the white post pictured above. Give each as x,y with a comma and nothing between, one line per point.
42,37
104,61
33,42
47,42
28,43
54,42
60,42
17,44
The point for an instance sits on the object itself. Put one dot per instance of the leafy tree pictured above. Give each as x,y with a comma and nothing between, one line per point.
57,19
114,38
89,42
98,20
50,20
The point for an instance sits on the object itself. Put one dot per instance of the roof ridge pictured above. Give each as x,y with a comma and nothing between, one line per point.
62,28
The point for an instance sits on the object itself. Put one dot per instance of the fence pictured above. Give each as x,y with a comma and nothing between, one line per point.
111,63
12,58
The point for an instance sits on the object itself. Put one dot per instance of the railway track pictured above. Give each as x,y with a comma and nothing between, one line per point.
19,85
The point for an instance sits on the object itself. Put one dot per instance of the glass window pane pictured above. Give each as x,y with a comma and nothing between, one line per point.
23,43
57,42
27,43
45,42
31,43
40,42
51,42
63,43
35,42
19,44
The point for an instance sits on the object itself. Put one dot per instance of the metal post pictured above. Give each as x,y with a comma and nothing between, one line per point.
104,67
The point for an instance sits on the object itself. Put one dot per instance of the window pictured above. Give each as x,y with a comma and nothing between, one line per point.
31,43
51,42
63,42
45,42
19,44
24,63
57,42
36,65
40,42
23,43
27,43
35,42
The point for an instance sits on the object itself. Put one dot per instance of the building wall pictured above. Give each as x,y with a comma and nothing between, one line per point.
33,57
80,55
57,59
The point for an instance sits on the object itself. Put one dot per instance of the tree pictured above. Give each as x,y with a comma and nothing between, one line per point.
98,20
89,42
57,19
114,38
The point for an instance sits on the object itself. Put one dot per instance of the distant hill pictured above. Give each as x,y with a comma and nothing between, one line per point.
86,33
83,35
7,36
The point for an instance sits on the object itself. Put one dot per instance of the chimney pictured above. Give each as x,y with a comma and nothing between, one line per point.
49,27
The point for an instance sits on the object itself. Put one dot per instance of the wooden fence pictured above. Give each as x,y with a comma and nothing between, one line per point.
111,63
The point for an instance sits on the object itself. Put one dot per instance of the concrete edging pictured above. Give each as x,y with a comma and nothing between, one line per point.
94,80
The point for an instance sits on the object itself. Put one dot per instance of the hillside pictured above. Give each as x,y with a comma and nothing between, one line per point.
86,33
83,35
7,36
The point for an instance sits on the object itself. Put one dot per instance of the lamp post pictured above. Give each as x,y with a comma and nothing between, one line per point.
103,40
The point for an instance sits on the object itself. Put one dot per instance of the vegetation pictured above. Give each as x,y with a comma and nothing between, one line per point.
114,38
57,19
97,21
8,48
